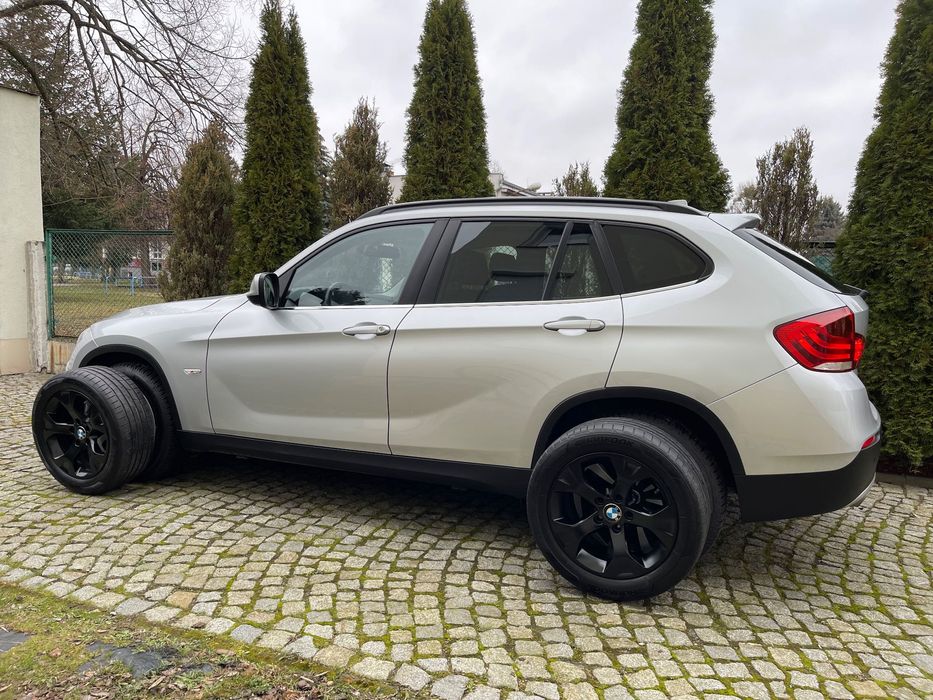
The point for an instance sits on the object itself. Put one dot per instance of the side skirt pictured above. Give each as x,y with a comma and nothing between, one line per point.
512,481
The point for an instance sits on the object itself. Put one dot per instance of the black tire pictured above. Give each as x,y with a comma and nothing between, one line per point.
620,507
93,429
718,490
165,453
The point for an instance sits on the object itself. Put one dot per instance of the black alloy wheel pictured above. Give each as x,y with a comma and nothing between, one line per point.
75,434
621,506
613,515
93,428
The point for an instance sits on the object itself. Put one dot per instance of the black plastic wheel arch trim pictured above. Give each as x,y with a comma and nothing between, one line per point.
649,394
512,481
129,350
779,496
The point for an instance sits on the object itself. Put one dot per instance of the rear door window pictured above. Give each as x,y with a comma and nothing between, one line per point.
500,261
649,258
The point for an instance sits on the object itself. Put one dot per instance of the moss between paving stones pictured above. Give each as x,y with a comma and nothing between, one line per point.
62,659
281,551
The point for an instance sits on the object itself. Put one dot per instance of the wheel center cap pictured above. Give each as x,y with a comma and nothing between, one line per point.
613,513
80,433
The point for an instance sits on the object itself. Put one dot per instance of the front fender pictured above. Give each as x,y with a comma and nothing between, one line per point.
175,344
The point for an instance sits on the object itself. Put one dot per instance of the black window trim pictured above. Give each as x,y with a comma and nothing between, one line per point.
418,269
607,253
432,279
795,262
558,261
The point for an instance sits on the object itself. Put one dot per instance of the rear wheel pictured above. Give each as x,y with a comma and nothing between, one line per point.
714,476
620,507
165,453
93,429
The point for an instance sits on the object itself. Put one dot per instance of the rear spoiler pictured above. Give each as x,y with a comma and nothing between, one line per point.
734,222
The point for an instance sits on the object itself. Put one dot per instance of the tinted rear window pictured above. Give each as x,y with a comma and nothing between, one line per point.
649,258
500,261
793,261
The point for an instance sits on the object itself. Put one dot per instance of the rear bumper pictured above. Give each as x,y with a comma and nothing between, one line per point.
778,496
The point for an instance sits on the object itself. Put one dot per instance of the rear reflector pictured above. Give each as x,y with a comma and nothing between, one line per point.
871,441
823,342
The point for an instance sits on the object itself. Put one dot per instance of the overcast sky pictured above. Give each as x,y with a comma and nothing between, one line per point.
550,71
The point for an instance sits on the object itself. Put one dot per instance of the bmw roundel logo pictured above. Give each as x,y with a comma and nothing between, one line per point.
612,512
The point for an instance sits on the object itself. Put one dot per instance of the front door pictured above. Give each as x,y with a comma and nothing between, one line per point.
314,371
524,316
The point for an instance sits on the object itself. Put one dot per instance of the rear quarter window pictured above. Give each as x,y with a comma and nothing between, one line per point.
793,261
650,258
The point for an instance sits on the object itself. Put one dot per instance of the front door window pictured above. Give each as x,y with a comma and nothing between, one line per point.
363,269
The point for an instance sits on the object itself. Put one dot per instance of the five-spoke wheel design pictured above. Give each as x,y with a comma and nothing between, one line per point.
612,515
75,434
94,429
621,506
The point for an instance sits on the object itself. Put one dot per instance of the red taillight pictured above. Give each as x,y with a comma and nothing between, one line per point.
824,342
871,441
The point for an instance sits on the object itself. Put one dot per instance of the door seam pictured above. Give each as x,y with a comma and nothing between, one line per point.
388,365
615,357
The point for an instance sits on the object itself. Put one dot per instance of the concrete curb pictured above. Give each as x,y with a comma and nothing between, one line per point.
924,482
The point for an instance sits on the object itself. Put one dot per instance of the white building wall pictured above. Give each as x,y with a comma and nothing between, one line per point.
20,221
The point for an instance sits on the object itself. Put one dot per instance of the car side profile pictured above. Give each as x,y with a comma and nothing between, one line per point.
621,365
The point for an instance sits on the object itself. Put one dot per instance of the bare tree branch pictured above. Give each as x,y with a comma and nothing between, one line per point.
153,58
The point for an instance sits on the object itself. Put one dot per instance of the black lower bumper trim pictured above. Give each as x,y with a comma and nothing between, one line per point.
778,496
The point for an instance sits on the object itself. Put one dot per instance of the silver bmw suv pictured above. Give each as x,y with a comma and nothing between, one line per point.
622,365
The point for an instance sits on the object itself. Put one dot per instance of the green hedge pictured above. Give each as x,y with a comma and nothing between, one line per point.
887,245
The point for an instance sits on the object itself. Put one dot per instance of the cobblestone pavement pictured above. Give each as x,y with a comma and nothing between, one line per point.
443,591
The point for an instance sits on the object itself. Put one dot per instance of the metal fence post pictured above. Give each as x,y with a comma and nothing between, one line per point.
93,274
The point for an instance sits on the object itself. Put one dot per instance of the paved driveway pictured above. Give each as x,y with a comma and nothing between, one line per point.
444,591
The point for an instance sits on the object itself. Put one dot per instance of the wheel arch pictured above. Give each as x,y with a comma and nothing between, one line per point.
110,355
609,401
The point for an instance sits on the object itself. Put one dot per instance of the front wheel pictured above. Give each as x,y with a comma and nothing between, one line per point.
620,507
166,455
93,428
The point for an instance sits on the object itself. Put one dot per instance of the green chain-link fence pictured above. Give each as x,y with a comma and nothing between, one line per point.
820,253
95,274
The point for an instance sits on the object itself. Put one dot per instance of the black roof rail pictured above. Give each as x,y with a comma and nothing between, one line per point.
675,207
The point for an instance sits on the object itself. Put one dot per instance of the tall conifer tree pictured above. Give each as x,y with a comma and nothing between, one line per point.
202,219
664,148
446,154
358,177
887,244
279,209
576,182
785,192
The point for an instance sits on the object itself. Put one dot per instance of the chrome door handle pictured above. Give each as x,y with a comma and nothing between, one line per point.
575,324
368,329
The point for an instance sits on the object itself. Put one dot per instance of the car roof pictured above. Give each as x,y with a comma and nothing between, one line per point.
505,203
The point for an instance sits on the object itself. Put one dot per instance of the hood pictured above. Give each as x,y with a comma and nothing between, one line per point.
172,307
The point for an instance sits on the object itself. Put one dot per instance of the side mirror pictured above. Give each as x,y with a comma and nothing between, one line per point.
264,290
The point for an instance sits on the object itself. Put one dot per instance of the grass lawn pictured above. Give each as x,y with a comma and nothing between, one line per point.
79,303
58,660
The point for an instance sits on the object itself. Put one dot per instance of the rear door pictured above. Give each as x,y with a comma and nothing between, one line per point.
515,316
